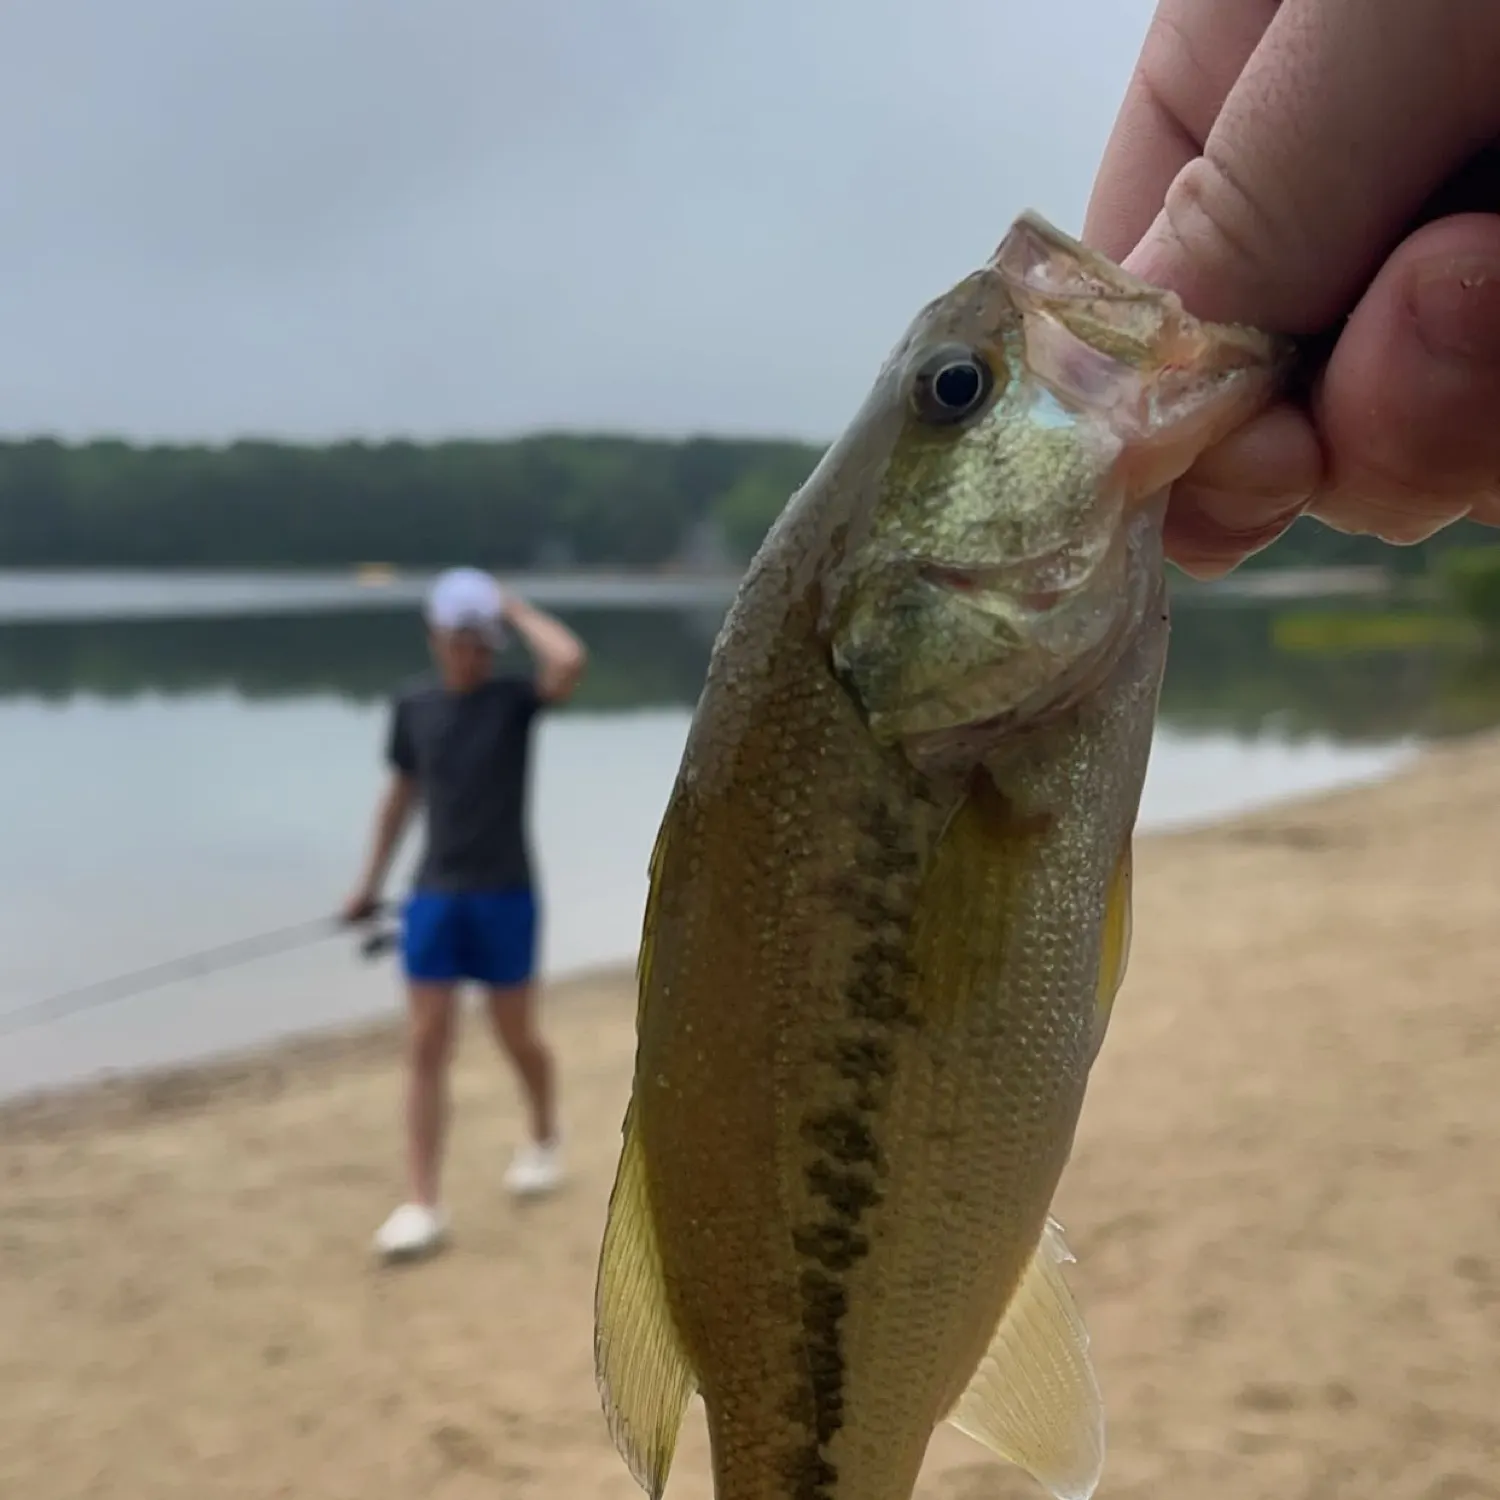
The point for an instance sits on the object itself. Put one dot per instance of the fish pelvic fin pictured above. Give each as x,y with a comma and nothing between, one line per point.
643,1374
1034,1400
1114,950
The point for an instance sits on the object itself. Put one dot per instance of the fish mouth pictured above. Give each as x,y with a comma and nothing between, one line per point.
1036,584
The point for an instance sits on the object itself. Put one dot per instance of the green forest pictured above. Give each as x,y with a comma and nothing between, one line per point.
552,501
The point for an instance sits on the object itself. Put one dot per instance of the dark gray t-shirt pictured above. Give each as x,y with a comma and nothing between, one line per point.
469,754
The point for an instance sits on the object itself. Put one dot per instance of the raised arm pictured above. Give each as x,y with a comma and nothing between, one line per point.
560,656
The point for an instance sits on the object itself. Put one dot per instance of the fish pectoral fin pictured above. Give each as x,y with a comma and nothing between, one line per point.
1034,1399
1114,950
642,1370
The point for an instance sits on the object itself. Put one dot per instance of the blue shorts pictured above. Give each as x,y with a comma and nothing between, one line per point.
486,936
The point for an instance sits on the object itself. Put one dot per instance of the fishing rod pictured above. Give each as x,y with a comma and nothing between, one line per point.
372,944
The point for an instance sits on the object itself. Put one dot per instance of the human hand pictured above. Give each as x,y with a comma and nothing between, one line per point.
360,906
1266,163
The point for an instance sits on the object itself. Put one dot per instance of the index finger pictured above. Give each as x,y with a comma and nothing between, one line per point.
1192,55
1345,117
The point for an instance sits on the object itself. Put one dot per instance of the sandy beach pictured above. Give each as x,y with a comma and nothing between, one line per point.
1285,1203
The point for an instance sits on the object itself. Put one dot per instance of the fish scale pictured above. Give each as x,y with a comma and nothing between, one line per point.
957,1191
889,904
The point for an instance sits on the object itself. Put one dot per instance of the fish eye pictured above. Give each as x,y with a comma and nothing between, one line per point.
951,383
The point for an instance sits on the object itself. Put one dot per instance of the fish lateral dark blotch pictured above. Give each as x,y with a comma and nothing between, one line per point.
842,1135
874,997
836,1246
825,1303
848,1193
864,1061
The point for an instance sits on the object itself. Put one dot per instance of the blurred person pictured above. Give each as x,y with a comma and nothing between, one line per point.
1325,167
459,742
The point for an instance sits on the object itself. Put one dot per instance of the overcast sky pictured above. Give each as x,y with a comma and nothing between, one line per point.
322,218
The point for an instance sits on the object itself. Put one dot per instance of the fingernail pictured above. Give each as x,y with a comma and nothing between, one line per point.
1456,304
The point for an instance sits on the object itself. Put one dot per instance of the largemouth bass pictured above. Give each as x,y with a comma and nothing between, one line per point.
889,905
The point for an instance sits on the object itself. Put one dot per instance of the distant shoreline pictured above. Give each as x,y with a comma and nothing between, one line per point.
41,594
265,1068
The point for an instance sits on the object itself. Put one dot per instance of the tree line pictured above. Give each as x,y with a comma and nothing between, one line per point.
543,501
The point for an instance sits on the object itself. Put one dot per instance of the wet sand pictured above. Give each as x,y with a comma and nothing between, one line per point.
1285,1201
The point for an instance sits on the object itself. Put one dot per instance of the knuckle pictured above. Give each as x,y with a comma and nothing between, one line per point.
1224,224
1486,508
1400,519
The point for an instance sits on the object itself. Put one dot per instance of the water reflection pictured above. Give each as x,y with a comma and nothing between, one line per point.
640,658
1231,667
1238,670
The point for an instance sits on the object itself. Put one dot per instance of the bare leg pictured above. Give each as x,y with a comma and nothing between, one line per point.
430,1045
513,1015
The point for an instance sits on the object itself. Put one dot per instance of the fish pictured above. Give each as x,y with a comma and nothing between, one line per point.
889,904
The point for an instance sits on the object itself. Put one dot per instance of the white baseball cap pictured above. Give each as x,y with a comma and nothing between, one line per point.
468,599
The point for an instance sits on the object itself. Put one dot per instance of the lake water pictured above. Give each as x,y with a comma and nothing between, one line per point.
179,775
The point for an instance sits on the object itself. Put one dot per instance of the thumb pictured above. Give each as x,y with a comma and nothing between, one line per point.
1346,118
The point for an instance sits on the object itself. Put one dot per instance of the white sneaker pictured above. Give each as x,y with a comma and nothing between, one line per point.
536,1168
413,1230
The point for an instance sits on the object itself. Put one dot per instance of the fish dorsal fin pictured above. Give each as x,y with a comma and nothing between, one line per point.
1034,1399
639,1363
1114,950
